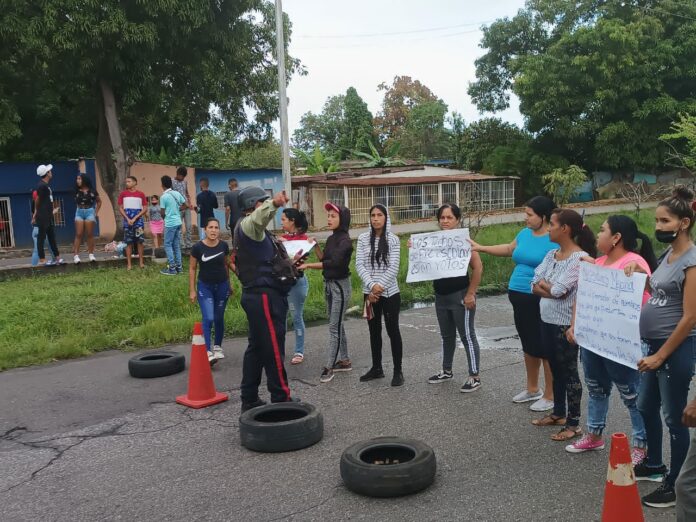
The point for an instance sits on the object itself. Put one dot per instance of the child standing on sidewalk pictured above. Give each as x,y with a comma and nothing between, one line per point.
334,262
133,204
156,221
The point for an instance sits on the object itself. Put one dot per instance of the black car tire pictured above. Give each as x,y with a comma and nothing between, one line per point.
281,426
156,364
414,471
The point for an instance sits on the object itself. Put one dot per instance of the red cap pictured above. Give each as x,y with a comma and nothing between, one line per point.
331,206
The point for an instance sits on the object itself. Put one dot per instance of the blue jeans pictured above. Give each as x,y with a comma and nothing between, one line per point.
212,298
86,214
296,301
668,387
172,246
600,375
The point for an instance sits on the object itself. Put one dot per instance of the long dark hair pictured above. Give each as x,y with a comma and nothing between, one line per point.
298,218
382,254
581,233
86,182
541,206
680,204
630,235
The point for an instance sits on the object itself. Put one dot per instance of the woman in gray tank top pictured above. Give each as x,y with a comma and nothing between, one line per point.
667,326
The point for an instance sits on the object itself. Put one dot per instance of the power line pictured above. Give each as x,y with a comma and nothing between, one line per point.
659,10
395,33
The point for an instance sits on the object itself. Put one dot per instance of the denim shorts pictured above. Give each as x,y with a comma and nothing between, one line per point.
85,214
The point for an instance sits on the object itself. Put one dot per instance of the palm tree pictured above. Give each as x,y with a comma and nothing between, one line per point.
316,162
375,159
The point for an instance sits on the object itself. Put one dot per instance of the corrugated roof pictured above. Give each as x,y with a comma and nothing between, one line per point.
382,180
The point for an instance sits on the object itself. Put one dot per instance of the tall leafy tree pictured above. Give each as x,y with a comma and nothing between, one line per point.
481,138
400,98
140,74
424,135
598,82
358,130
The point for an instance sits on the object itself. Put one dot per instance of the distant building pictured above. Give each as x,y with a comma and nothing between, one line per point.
410,193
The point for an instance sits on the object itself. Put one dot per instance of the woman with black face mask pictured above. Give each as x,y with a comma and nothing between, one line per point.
668,329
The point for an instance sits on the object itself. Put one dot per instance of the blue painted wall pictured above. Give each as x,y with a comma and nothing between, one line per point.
268,179
17,180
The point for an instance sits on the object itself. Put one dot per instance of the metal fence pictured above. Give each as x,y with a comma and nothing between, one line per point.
413,202
6,232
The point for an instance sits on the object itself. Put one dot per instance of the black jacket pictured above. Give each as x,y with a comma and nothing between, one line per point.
338,249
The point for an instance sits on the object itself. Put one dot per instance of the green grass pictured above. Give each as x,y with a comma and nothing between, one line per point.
63,316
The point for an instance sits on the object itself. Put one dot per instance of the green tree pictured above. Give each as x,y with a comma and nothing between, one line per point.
563,184
143,75
375,159
683,140
481,138
400,98
598,82
425,135
358,129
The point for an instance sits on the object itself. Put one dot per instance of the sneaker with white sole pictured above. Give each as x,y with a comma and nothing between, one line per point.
662,497
470,385
60,261
326,375
76,259
211,358
526,396
217,352
586,443
441,376
343,366
644,473
92,259
542,405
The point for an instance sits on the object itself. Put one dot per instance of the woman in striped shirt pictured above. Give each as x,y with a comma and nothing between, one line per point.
377,263
556,281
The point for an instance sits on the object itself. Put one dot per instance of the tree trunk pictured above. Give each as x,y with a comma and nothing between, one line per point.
109,148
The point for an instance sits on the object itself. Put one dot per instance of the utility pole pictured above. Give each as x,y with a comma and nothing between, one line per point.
284,138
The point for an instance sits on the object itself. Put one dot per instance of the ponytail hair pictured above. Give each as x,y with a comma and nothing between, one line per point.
680,204
630,235
541,206
579,231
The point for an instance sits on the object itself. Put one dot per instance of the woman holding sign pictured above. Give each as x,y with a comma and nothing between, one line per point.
528,250
618,240
455,306
377,263
667,326
556,282
294,223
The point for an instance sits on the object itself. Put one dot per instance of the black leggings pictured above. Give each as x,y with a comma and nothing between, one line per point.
525,309
389,306
46,230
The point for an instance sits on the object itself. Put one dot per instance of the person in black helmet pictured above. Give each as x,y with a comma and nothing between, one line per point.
264,297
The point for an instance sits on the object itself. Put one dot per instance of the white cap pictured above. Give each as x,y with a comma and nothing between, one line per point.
41,170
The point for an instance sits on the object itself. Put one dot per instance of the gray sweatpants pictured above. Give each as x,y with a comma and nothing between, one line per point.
337,293
451,321
686,485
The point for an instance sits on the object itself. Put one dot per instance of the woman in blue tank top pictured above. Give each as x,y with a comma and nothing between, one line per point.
527,250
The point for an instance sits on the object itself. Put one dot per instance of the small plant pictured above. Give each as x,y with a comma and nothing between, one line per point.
563,184
317,162
375,159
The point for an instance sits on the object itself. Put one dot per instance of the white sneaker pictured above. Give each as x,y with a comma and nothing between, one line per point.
92,259
76,259
542,405
211,358
525,396
217,352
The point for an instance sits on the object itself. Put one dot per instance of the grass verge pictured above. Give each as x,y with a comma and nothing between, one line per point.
63,316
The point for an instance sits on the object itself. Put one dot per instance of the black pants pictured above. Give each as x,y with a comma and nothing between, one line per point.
266,311
567,388
389,307
46,230
525,310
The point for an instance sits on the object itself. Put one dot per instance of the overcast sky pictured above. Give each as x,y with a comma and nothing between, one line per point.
349,43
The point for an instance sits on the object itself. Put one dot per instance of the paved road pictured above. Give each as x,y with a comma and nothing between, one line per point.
83,441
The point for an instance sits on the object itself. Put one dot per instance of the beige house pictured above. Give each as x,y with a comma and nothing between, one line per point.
410,193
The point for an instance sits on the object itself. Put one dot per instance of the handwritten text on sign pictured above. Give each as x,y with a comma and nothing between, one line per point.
607,313
436,255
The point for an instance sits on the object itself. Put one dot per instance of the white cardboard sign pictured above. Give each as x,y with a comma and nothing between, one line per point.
607,313
436,255
293,247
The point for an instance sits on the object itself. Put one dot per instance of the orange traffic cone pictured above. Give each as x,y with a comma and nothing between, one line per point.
621,499
201,389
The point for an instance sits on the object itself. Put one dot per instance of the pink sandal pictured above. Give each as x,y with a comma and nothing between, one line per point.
298,358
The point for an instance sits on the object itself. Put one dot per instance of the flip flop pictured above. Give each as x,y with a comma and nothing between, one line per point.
549,420
573,432
298,358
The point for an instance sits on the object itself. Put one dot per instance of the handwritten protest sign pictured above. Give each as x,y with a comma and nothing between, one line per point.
607,313
293,247
438,254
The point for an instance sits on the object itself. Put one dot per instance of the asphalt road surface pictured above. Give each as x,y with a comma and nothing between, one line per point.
81,440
